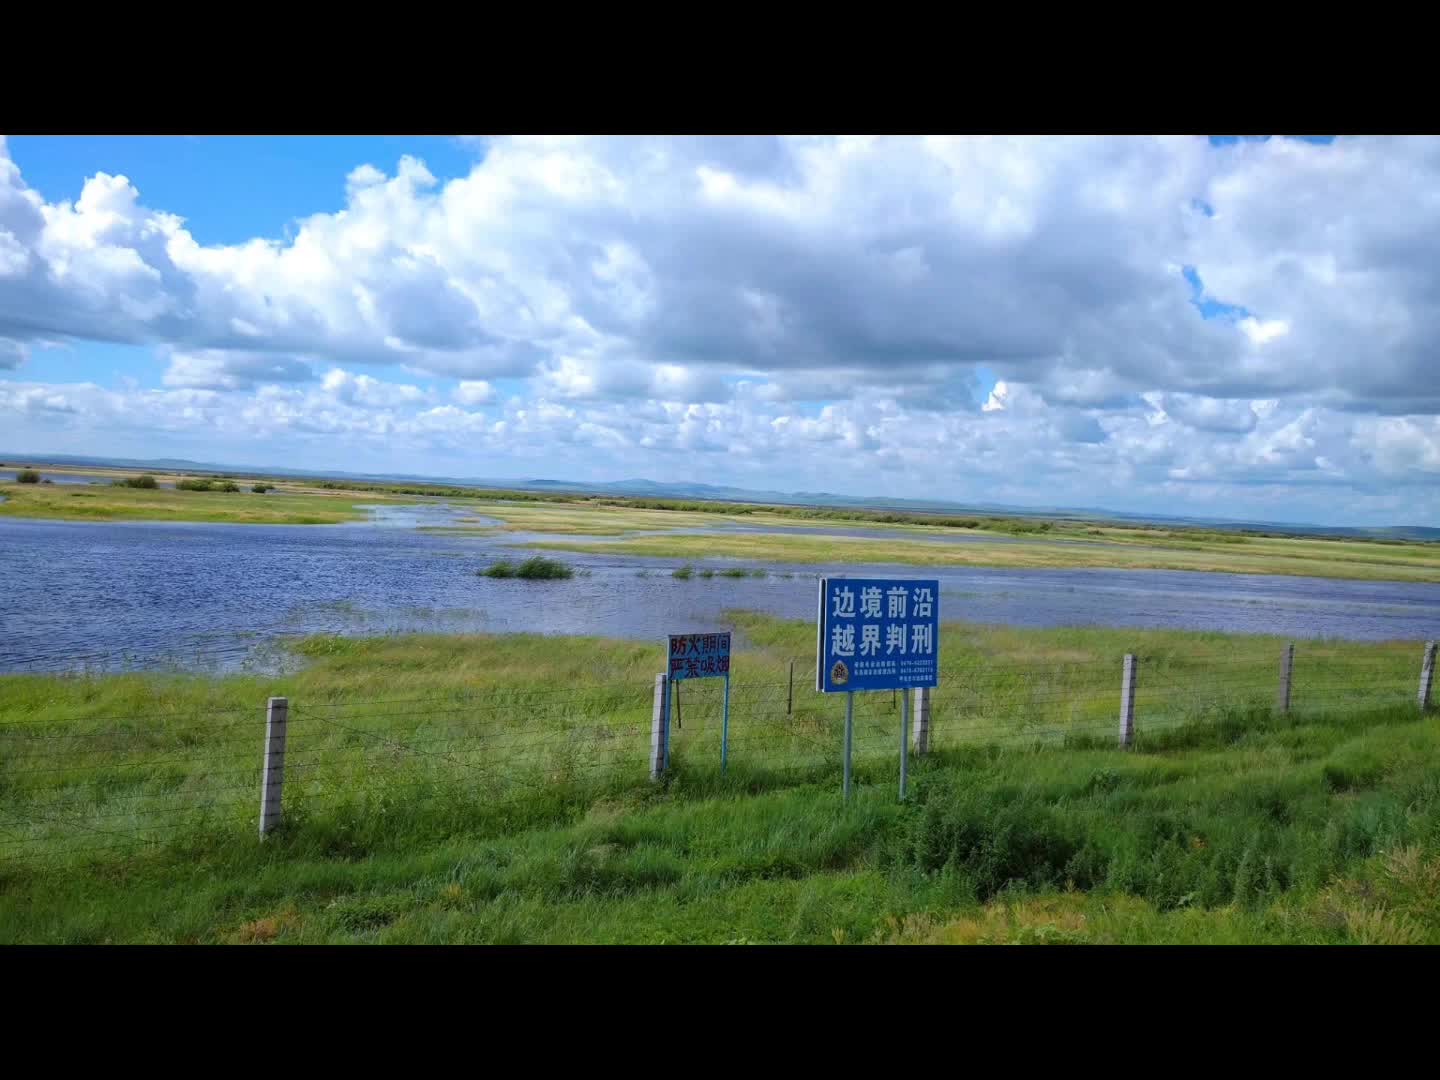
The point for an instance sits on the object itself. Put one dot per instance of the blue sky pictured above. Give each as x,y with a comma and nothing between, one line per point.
1209,325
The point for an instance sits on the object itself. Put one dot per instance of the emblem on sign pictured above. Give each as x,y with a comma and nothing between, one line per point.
839,674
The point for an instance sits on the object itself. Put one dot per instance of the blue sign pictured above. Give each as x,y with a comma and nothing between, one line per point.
877,634
699,656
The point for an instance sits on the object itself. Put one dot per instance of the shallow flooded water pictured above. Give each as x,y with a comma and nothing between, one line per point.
133,593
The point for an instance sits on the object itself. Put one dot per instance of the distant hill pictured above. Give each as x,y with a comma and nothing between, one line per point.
643,488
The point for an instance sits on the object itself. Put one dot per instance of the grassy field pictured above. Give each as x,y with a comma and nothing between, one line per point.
1307,558
572,517
67,502
494,789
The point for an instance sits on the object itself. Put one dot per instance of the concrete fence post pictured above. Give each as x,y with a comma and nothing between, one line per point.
1287,663
657,729
1427,675
1127,701
272,780
920,722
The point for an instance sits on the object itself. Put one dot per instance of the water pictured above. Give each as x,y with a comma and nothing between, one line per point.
65,478
93,593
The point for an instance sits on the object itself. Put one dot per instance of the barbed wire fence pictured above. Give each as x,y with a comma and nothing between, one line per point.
77,788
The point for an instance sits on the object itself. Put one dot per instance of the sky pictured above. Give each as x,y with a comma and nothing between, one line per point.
1212,326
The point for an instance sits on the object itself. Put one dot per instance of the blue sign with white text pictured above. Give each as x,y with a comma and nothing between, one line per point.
877,634
699,656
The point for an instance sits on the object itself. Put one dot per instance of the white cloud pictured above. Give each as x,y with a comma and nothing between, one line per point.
1261,332
1053,261
12,353
813,306
996,400
1030,451
366,390
474,392
223,370
1209,414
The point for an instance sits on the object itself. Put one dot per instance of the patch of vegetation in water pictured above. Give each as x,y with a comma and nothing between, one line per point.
536,568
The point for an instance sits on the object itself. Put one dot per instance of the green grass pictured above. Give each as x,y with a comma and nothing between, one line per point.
132,504
538,568
1358,560
493,789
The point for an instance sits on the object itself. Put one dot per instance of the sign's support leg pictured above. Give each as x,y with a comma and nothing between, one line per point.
849,732
904,749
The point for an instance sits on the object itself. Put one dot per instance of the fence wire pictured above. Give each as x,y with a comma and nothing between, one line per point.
75,788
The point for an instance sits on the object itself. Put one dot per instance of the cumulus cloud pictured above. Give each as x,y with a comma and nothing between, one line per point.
366,390
800,302
12,353
1207,414
221,370
1053,261
1292,462
474,392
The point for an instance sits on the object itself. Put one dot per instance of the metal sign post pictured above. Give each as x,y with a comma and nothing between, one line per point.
877,634
700,656
904,755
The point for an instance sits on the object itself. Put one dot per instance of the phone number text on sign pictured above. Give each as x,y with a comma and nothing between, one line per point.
699,656
877,634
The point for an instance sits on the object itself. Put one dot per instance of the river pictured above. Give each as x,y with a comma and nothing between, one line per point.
105,595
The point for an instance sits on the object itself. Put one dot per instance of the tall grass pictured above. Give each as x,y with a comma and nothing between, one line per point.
495,788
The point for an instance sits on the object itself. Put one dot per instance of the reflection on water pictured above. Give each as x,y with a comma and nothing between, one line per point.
212,593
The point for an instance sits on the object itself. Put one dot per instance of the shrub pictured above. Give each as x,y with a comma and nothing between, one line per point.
261,489
27,476
192,483
229,485
146,481
537,568
540,568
